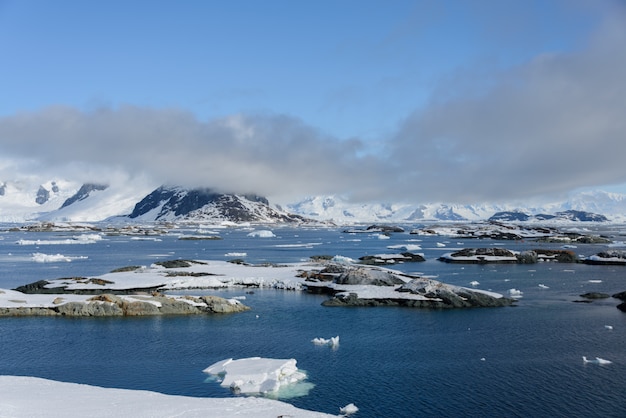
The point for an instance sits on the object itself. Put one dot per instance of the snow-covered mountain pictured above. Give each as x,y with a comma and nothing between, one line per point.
341,211
177,203
60,200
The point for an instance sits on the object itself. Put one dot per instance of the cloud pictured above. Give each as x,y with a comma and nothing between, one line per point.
549,126
272,155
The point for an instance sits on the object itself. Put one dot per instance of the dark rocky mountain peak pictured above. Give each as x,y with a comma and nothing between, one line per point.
83,193
169,203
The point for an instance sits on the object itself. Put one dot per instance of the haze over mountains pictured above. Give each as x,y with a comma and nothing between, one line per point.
65,201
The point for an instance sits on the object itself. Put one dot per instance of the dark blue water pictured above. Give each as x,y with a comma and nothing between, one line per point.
391,362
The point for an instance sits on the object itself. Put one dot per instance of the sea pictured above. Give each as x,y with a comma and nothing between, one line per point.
520,361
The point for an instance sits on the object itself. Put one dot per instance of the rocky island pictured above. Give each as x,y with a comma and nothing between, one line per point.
141,290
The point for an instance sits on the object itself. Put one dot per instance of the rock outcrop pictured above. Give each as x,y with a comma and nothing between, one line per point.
105,305
371,286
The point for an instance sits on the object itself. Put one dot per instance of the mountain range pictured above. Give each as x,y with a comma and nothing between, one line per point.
65,201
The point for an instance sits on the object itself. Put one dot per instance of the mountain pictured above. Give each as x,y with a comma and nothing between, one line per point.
58,200
203,204
567,215
83,193
597,206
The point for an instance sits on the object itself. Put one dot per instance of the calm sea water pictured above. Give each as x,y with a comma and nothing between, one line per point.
392,362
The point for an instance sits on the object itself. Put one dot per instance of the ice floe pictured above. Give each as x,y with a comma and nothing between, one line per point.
332,341
349,409
262,234
78,239
256,375
596,360
54,258
515,293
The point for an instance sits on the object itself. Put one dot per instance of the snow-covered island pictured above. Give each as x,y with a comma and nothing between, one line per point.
139,290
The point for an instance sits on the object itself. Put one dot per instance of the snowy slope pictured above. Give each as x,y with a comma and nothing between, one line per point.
35,200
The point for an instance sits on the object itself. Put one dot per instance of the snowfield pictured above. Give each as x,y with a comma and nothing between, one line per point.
31,397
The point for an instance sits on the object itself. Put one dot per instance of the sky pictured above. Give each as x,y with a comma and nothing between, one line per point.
405,101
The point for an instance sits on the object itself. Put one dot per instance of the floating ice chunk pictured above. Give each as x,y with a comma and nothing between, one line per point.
262,234
594,281
474,283
343,260
515,293
349,409
596,360
609,327
441,244
54,258
382,236
407,247
543,286
235,254
333,341
256,374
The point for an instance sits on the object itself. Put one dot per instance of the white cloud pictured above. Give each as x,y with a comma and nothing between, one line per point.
549,126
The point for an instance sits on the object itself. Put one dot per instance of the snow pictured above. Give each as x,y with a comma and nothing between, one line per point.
256,375
31,397
515,293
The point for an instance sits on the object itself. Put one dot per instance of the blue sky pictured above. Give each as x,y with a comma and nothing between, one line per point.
402,100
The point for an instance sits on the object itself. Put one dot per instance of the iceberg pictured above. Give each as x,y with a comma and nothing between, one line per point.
349,409
333,341
256,375
596,360
262,234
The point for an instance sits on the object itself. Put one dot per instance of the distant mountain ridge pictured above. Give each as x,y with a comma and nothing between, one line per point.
58,200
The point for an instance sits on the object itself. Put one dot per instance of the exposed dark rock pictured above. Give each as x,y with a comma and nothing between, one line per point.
111,305
83,193
384,259
481,256
594,295
622,306
204,203
384,228
561,256
39,287
613,257
42,195
577,215
620,296
509,216
366,276
432,294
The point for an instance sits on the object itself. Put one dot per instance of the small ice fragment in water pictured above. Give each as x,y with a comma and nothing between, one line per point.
349,409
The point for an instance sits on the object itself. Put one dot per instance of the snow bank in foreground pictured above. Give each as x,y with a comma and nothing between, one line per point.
256,374
58,399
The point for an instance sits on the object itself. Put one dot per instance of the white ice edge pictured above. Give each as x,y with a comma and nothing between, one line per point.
60,399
